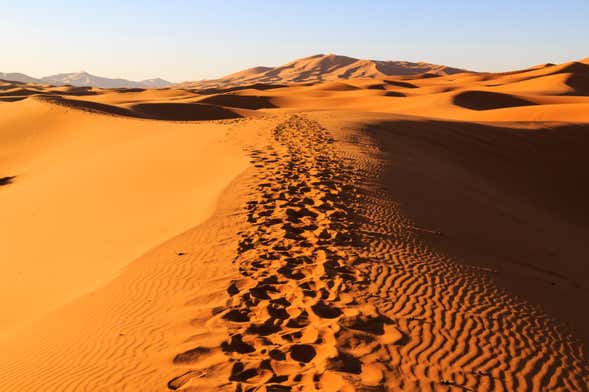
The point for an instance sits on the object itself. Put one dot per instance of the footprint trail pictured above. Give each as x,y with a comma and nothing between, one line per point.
336,294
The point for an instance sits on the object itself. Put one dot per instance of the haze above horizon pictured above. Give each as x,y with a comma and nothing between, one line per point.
179,40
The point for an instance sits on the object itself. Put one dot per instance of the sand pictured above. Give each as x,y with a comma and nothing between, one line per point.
320,68
86,199
385,233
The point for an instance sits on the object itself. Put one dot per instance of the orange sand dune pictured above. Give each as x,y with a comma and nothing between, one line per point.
323,226
87,198
323,67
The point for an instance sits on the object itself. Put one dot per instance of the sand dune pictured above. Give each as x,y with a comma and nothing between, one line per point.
81,190
240,101
174,111
487,100
323,67
359,233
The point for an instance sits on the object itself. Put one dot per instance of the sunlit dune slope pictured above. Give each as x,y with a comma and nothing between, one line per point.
91,192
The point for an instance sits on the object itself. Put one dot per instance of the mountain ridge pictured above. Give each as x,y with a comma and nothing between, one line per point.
85,79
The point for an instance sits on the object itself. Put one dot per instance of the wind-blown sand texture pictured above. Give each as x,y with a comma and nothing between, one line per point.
410,233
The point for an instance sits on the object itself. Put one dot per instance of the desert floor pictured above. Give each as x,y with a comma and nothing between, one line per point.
416,233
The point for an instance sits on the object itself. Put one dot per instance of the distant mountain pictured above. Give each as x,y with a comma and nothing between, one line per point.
85,79
18,77
323,67
155,83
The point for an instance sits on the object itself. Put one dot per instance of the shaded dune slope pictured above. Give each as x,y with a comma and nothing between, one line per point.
240,101
183,111
486,100
506,199
155,111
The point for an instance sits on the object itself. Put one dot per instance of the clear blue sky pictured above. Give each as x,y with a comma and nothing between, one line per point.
191,40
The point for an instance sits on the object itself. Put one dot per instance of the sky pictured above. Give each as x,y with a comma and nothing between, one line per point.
194,40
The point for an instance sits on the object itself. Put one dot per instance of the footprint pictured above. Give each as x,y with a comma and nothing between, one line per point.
302,352
192,355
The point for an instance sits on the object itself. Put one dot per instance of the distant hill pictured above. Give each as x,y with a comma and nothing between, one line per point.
85,79
18,77
323,67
